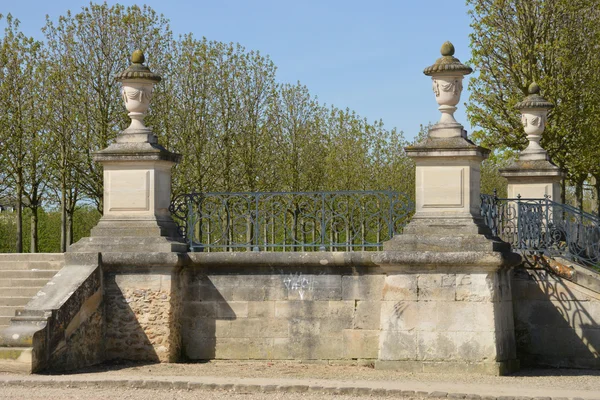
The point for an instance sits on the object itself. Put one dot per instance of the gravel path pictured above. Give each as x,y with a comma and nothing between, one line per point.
239,380
20,393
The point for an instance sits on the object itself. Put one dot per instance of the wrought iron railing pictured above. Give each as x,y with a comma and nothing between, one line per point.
544,226
290,221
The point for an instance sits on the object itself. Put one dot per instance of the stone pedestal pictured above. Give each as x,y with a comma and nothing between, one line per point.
451,308
450,305
137,191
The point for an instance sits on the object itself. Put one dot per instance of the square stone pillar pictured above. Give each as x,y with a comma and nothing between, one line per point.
447,293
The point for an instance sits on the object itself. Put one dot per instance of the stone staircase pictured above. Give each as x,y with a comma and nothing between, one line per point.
21,277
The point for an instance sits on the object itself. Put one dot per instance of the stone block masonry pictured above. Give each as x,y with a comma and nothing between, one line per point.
283,313
378,307
319,308
447,318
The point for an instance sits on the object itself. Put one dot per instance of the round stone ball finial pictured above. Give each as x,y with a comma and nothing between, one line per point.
447,49
534,88
138,57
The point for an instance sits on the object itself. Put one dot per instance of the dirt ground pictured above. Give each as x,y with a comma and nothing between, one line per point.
539,378
555,383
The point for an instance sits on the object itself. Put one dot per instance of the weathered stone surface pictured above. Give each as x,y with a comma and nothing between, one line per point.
367,315
400,287
361,343
398,345
436,287
362,287
143,317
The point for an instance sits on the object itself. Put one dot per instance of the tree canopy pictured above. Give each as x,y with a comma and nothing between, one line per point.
219,105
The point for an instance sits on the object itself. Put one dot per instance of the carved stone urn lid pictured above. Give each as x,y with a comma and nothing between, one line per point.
137,69
447,63
534,100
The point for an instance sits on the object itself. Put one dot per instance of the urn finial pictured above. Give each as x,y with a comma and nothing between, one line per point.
447,49
138,57
138,84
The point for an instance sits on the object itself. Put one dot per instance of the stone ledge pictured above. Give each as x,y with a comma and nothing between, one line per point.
375,262
136,152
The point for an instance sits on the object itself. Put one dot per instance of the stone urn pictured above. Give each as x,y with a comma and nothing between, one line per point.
447,75
534,114
138,84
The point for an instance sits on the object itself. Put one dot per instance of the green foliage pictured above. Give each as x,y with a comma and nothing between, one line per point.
49,229
554,43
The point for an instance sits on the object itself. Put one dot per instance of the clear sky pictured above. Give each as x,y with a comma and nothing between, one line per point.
364,55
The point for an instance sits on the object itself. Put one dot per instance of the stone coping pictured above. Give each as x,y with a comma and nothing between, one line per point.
531,168
406,261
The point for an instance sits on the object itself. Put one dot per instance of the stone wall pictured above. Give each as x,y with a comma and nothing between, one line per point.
417,319
142,315
557,322
280,313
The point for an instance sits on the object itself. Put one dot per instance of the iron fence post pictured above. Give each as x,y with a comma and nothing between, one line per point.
256,219
322,247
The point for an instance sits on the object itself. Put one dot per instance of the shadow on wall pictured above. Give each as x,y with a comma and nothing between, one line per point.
555,321
203,307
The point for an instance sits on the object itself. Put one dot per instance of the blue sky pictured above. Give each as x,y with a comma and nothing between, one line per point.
364,55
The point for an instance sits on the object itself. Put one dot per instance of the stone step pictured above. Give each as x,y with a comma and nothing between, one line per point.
4,321
15,301
124,232
23,282
19,291
31,265
32,257
128,244
11,274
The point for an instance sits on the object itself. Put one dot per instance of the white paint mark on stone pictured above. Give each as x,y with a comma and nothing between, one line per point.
15,336
51,283
323,262
300,283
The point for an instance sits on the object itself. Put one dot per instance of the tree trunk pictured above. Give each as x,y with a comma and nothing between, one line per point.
69,229
597,190
63,215
563,191
19,206
579,195
34,230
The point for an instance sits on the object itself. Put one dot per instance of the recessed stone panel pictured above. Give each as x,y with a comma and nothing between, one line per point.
128,190
442,186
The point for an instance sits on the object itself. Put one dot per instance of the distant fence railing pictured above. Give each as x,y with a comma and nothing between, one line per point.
290,221
544,226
